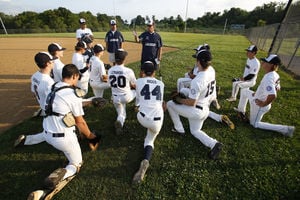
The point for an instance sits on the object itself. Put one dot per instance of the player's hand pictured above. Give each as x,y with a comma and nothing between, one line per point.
134,33
259,103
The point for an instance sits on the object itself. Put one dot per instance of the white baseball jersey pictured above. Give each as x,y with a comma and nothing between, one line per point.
120,78
65,101
149,94
97,69
203,86
41,87
78,60
81,32
252,67
269,85
57,70
57,134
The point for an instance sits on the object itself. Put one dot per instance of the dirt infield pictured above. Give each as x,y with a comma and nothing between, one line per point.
17,65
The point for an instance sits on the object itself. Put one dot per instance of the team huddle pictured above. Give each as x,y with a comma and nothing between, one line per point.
62,89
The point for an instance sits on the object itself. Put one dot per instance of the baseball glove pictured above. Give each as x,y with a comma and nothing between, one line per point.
94,143
235,79
87,39
243,117
176,97
107,66
99,102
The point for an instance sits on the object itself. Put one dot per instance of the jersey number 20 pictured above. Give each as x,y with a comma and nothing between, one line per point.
119,81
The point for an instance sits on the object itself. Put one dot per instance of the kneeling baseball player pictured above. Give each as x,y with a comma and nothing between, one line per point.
64,111
149,93
196,106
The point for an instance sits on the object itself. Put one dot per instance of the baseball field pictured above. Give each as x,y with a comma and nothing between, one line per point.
254,164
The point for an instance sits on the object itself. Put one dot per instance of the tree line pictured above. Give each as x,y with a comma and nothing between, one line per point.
63,20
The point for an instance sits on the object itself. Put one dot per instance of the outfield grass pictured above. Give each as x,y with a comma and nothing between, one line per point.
254,164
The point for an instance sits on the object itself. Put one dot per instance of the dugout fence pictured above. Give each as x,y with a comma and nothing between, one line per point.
287,42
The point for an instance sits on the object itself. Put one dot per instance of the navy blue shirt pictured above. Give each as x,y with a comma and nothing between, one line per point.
114,41
151,43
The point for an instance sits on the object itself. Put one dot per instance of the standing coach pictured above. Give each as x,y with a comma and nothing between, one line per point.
152,45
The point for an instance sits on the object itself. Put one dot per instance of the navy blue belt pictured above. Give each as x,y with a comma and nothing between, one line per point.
154,119
199,107
56,134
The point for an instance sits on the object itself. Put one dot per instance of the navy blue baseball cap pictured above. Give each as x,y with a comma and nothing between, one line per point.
98,48
55,47
272,59
82,21
148,67
120,54
252,48
204,55
42,58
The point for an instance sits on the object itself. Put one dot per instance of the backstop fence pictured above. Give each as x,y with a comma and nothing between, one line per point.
287,42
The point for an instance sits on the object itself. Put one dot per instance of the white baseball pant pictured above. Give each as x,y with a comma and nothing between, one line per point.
69,145
240,84
99,87
195,116
153,125
120,102
257,113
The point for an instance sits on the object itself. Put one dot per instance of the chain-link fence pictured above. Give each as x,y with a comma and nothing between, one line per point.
287,41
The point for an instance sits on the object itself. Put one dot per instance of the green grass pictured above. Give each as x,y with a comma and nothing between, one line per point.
255,164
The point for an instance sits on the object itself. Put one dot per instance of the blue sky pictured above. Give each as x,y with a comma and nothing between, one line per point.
129,9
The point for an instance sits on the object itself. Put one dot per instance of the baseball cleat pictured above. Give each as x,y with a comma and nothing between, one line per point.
119,128
214,153
243,117
54,178
231,99
140,174
174,130
36,195
20,141
290,132
216,104
226,120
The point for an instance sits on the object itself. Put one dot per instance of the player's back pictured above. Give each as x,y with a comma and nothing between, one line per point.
41,86
205,83
120,79
149,93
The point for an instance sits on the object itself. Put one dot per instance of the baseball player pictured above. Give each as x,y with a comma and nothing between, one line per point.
114,41
261,100
58,52
122,81
149,94
83,30
213,100
41,83
249,77
185,82
98,76
78,60
60,134
151,44
196,107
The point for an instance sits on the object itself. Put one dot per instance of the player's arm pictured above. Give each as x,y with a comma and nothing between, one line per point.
270,99
188,102
136,38
159,53
83,127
